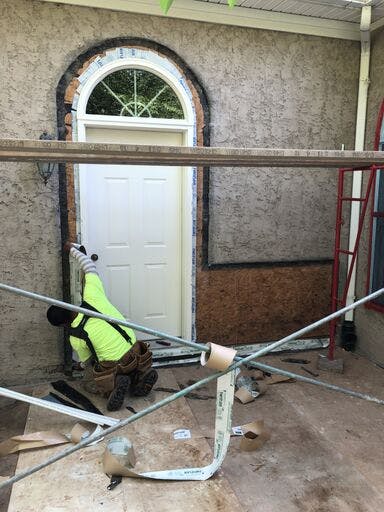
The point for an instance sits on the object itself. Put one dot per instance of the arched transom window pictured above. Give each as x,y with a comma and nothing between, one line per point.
134,93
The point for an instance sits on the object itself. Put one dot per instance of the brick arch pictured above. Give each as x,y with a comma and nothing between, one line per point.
66,96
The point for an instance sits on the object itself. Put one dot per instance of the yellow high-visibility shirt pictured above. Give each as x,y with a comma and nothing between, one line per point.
107,342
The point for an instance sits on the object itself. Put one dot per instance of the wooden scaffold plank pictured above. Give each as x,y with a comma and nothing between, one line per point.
131,154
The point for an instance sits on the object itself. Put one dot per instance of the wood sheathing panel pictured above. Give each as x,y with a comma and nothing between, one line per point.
251,305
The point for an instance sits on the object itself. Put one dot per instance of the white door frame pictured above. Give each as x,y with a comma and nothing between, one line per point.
184,126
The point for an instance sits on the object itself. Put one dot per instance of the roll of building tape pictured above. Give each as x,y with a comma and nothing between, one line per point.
218,358
117,460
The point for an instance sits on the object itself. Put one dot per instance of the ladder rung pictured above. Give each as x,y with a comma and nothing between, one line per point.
360,199
344,251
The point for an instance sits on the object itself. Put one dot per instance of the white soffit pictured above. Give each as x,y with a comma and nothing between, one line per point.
267,17
328,18
341,10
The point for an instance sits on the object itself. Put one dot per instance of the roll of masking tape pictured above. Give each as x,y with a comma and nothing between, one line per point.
218,358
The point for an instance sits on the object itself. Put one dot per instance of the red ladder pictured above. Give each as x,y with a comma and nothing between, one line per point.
337,302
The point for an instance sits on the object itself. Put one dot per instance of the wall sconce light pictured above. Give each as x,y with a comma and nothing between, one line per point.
46,168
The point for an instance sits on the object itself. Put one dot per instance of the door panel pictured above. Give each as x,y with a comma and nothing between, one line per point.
132,221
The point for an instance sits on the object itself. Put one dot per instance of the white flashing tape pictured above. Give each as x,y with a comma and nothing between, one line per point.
121,465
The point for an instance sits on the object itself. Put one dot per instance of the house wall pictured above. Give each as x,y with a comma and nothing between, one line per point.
369,323
265,89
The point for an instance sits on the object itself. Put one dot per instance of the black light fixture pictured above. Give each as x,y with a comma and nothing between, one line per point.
46,168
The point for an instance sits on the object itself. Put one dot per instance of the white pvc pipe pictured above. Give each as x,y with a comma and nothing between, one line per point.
357,176
98,419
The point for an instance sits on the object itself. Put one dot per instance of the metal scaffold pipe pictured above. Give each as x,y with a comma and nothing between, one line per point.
166,401
199,346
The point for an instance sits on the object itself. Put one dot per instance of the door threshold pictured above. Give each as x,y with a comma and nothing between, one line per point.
176,355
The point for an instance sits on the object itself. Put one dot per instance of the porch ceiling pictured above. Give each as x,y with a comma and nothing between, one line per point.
341,10
328,18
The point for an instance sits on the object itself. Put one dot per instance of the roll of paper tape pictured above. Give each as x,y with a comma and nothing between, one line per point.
119,457
218,358
117,461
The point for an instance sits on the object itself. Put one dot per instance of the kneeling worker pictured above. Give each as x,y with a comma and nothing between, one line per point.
120,363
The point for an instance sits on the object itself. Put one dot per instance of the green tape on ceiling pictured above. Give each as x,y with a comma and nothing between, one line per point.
165,5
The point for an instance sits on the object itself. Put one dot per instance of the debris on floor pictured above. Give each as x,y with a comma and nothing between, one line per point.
45,439
73,394
331,365
309,371
295,360
182,433
253,435
34,440
248,388
193,396
277,379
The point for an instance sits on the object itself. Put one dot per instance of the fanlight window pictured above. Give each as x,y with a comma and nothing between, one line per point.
134,93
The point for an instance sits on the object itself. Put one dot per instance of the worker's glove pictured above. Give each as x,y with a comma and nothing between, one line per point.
68,245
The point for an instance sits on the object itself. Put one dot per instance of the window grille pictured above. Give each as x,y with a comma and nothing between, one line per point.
134,93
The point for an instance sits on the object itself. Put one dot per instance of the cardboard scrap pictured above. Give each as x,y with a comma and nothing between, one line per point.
79,433
248,388
255,435
44,439
29,441
276,379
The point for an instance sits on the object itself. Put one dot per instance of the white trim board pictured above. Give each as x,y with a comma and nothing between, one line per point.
237,16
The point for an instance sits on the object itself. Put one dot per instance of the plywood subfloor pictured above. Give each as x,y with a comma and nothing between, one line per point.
78,483
326,451
325,455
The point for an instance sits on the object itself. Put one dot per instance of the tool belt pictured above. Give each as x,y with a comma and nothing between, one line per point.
137,359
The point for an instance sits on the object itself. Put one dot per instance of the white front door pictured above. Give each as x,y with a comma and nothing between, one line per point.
131,217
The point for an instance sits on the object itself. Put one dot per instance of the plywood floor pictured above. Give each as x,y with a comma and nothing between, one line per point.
325,455
78,483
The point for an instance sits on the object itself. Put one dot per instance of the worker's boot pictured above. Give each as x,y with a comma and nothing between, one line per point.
116,398
143,382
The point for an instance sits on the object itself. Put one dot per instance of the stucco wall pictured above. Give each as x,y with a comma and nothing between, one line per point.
265,89
370,324
288,91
